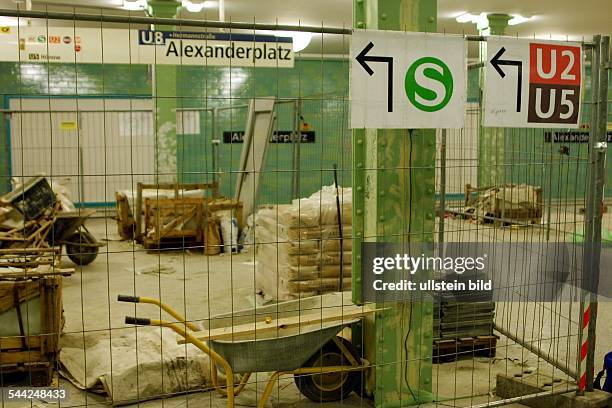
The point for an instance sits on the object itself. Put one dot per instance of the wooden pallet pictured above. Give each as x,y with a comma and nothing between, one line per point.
446,350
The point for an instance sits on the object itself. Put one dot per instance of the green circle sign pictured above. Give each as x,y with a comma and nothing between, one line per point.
429,84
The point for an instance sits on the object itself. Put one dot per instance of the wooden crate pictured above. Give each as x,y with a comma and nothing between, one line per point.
139,233
174,220
32,354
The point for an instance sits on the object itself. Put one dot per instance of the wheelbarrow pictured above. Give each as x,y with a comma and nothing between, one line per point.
69,230
325,366
45,222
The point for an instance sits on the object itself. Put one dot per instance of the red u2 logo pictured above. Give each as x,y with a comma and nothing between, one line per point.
555,75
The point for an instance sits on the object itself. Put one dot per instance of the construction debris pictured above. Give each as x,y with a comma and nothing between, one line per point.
505,204
36,221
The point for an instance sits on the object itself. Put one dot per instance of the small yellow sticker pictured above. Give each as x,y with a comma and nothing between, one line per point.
68,125
5,30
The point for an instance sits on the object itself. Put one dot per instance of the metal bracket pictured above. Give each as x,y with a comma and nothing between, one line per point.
601,146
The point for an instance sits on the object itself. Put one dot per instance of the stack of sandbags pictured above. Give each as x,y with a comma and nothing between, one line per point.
298,246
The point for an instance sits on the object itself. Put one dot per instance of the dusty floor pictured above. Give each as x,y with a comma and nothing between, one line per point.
201,286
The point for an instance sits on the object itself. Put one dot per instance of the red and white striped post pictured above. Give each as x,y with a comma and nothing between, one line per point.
584,338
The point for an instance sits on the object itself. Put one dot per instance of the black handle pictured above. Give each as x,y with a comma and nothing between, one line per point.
339,214
128,298
137,320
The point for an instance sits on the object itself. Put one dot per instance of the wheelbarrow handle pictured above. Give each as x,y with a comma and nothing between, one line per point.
163,306
137,320
128,298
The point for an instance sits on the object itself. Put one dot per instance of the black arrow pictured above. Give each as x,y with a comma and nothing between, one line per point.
497,62
362,58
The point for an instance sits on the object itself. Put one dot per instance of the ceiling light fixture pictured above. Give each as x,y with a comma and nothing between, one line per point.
11,22
518,19
464,18
196,7
300,39
134,5
479,19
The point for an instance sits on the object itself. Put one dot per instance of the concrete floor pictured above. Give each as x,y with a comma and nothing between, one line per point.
200,286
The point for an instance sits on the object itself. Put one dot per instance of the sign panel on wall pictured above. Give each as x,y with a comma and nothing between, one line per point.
407,80
572,137
117,46
278,136
532,83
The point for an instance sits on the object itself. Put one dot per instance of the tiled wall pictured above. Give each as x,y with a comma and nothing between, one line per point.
322,83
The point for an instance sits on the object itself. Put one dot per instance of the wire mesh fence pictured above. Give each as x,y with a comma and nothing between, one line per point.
228,193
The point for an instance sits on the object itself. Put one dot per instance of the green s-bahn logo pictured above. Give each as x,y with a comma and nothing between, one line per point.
429,84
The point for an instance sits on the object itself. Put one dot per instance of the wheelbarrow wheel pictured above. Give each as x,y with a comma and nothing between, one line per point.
333,386
81,254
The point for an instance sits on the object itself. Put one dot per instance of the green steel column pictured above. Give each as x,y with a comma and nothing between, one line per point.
491,141
165,102
394,194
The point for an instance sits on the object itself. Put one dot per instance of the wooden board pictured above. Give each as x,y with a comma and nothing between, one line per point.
39,272
125,218
19,292
263,325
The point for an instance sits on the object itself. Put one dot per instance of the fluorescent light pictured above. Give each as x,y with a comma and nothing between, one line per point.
518,19
134,5
300,39
464,18
10,22
196,7
480,19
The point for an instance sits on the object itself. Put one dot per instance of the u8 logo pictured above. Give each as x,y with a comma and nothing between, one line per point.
429,84
148,37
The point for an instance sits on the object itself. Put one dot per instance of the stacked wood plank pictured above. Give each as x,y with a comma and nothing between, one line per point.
299,249
463,329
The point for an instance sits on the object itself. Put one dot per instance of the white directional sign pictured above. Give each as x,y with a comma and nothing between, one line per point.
407,80
532,83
